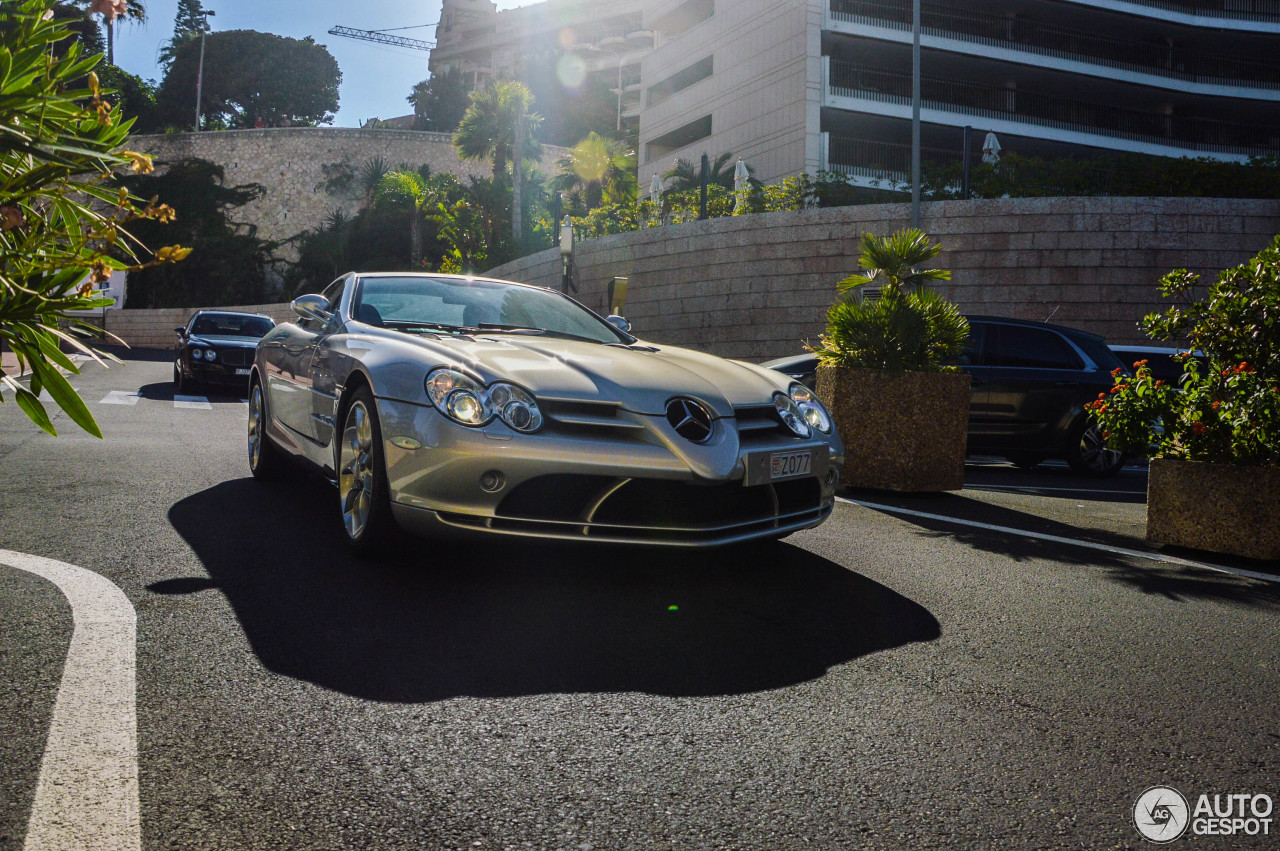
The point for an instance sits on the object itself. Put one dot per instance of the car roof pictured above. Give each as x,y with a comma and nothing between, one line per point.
789,360
230,313
1159,350
1031,323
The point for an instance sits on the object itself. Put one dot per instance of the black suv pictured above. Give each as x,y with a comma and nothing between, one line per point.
1030,384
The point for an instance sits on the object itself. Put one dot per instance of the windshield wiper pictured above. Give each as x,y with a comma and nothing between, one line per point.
427,326
495,327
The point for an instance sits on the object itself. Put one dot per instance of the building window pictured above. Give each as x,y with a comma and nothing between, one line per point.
679,138
695,73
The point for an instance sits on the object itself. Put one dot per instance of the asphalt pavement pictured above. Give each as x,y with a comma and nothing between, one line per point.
902,676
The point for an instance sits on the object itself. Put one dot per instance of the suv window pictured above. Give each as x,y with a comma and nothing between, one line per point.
1035,348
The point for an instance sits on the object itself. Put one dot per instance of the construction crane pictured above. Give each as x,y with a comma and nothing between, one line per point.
382,38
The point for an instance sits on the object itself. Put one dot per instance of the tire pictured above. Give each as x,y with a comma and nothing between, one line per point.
364,497
1087,454
1026,461
266,461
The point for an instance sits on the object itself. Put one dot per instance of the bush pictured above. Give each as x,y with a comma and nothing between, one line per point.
908,327
61,221
1228,411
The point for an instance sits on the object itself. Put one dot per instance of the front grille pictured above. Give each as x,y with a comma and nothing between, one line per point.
605,508
235,357
759,424
577,417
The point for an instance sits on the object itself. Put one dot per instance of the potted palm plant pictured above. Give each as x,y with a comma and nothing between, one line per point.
1214,438
883,370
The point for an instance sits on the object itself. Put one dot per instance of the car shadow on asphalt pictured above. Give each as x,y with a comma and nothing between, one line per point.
163,391
499,618
1174,581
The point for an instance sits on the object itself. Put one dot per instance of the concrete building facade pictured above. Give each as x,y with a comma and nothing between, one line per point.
807,85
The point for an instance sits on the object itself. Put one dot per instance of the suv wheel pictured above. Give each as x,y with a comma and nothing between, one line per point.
1087,452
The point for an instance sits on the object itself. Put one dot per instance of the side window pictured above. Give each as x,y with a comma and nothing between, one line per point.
334,293
1034,348
972,354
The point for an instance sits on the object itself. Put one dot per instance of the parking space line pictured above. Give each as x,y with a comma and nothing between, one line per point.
121,397
199,403
1058,539
87,792
1036,489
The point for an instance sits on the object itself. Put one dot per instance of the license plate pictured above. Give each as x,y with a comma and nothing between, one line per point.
242,372
784,465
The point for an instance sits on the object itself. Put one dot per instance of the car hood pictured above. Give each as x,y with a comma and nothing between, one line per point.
641,377
224,340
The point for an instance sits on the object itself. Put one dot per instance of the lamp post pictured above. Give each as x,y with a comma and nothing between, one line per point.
915,113
200,68
566,254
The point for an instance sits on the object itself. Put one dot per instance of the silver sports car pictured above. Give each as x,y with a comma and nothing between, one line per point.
448,405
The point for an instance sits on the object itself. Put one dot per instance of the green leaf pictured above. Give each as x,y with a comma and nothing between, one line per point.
35,411
65,396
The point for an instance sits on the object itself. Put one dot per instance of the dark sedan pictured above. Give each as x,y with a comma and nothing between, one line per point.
1030,383
217,347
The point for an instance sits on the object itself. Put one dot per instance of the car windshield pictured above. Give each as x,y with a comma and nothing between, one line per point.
230,325
462,304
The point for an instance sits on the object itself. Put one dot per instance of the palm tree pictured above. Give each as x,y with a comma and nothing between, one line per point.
413,191
684,175
488,128
602,170
909,326
132,10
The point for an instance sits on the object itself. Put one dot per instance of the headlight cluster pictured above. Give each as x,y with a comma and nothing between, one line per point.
463,400
207,354
801,411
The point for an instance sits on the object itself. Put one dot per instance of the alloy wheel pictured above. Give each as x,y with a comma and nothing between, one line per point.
355,476
1094,453
256,427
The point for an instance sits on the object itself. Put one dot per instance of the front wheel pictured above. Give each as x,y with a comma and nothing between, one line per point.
363,493
265,460
1087,452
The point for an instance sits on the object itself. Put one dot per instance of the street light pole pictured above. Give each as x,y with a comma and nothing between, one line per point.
915,113
200,68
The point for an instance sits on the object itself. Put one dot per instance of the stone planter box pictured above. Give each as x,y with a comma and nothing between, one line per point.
903,431
1218,507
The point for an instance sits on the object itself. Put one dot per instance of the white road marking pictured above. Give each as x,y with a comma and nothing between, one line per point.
1034,489
121,397
87,793
199,403
1058,539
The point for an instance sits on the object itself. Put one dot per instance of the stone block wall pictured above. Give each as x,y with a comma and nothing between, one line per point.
153,329
757,287
289,162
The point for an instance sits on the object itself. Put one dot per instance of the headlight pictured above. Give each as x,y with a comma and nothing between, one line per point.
210,355
811,410
516,407
789,411
463,400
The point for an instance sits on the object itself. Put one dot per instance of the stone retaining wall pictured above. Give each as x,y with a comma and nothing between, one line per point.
757,287
290,163
147,329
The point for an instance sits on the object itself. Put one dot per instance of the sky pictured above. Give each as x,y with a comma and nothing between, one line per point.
376,79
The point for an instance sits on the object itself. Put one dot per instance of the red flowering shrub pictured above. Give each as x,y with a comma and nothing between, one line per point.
1227,412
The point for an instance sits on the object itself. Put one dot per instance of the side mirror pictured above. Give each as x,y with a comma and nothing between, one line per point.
312,307
182,330
619,322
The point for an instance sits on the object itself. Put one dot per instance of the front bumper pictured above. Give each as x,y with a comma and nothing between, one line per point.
640,483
